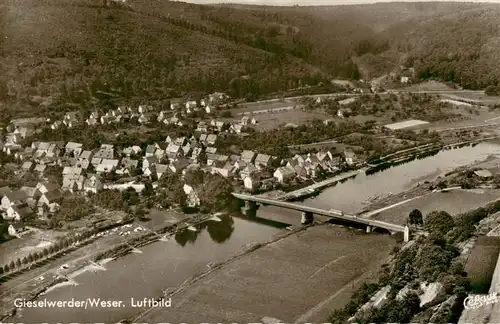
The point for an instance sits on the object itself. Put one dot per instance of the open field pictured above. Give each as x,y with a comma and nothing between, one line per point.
267,121
302,277
453,202
34,240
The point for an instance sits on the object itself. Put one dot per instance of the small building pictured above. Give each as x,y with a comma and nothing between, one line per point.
483,174
284,174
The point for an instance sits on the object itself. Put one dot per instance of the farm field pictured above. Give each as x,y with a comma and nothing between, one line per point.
305,272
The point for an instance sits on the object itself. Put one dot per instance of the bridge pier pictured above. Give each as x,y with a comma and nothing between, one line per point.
250,208
307,218
369,228
407,233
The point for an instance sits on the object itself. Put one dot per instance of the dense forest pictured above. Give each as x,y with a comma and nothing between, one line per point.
79,53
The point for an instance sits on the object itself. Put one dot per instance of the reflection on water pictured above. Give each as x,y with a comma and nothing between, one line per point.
220,231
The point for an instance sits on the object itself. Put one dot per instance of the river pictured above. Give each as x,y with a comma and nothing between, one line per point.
168,264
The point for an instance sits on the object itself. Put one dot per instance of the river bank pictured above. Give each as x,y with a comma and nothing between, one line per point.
55,276
258,282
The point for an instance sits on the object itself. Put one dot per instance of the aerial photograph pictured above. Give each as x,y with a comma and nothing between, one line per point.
249,161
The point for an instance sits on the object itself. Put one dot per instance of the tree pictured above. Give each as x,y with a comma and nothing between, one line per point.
30,258
18,263
148,190
25,260
12,265
6,268
438,222
202,157
1,270
415,217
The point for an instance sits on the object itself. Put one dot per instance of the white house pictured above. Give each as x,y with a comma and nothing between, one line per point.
284,174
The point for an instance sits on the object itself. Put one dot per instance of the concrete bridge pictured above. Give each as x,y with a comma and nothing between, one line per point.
308,212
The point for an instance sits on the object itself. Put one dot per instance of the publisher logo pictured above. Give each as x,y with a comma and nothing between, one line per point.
478,301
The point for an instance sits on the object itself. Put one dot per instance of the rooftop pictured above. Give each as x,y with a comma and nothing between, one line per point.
406,124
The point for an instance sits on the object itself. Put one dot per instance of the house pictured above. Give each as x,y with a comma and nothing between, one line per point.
161,169
106,151
173,151
72,171
248,156
150,150
202,127
107,165
249,171
226,171
250,183
27,166
24,155
186,150
211,150
92,184
344,112
291,163
73,183
51,199
40,168
236,128
71,119
18,213
132,150
240,165
216,158
126,165
191,104
349,157
263,160
73,148
179,165
143,119
284,174
15,198
211,139
405,79
148,162
180,141
168,140
95,161
150,171
208,109
300,171
32,193
245,120
55,125
4,191
10,149
92,121
45,187
85,156
15,228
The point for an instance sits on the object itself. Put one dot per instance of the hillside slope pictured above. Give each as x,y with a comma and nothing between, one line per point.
66,53
77,51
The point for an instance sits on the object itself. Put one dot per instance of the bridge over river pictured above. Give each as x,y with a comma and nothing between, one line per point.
251,203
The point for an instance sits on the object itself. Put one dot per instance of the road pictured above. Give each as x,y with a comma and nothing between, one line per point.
290,101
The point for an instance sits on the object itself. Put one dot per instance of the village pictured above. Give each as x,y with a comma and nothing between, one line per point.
64,169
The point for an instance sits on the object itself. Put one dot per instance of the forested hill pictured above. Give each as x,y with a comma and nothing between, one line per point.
83,52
